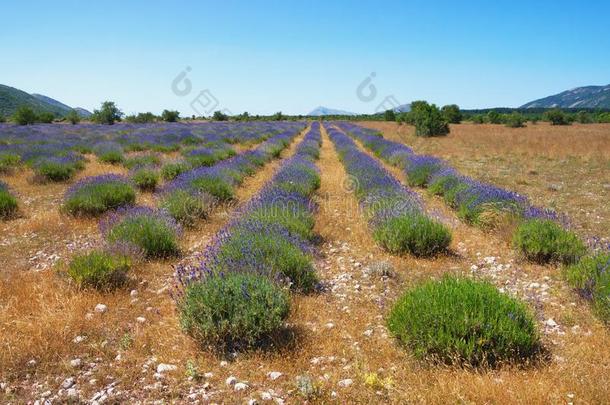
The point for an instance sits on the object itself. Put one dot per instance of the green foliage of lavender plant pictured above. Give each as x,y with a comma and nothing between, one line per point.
99,269
185,207
591,277
543,241
236,310
146,179
415,234
8,203
153,235
464,322
96,197
170,171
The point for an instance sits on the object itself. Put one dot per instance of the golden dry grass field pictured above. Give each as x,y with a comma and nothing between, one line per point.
53,341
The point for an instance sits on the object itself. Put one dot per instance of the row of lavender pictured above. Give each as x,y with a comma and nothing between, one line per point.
237,295
541,235
135,233
55,152
394,212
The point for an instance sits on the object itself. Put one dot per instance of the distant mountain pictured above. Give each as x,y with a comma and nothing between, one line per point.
83,113
12,98
328,111
403,108
580,97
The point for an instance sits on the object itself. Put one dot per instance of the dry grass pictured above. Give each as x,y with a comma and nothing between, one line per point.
41,314
562,167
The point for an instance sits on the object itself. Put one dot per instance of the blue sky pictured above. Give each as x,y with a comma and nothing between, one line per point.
264,57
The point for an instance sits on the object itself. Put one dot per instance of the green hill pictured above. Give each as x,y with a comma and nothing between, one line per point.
12,98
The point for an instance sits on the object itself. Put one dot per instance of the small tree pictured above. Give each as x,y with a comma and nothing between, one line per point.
556,117
452,114
46,117
108,114
220,116
170,115
494,117
2,118
428,120
278,116
515,120
478,119
389,115
25,116
584,117
73,117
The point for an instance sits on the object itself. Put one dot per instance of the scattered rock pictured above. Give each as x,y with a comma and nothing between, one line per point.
346,383
133,293
101,308
79,339
231,381
274,375
265,396
68,383
140,319
240,386
163,368
76,363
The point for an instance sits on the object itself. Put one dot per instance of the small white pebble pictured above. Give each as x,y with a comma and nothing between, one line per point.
101,308
231,380
140,319
240,386
346,383
76,363
274,375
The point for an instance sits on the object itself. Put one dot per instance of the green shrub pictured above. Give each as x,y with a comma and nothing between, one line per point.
465,322
97,197
494,117
114,157
8,162
170,171
45,117
54,171
99,269
25,116
591,276
233,311
278,257
297,222
73,117
515,120
557,117
154,235
142,160
170,115
145,179
415,234
186,208
108,114
544,241
8,203
214,186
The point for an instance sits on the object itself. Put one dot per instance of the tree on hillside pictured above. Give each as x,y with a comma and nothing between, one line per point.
278,116
73,117
25,116
170,115
389,115
428,119
108,114
556,117
452,113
